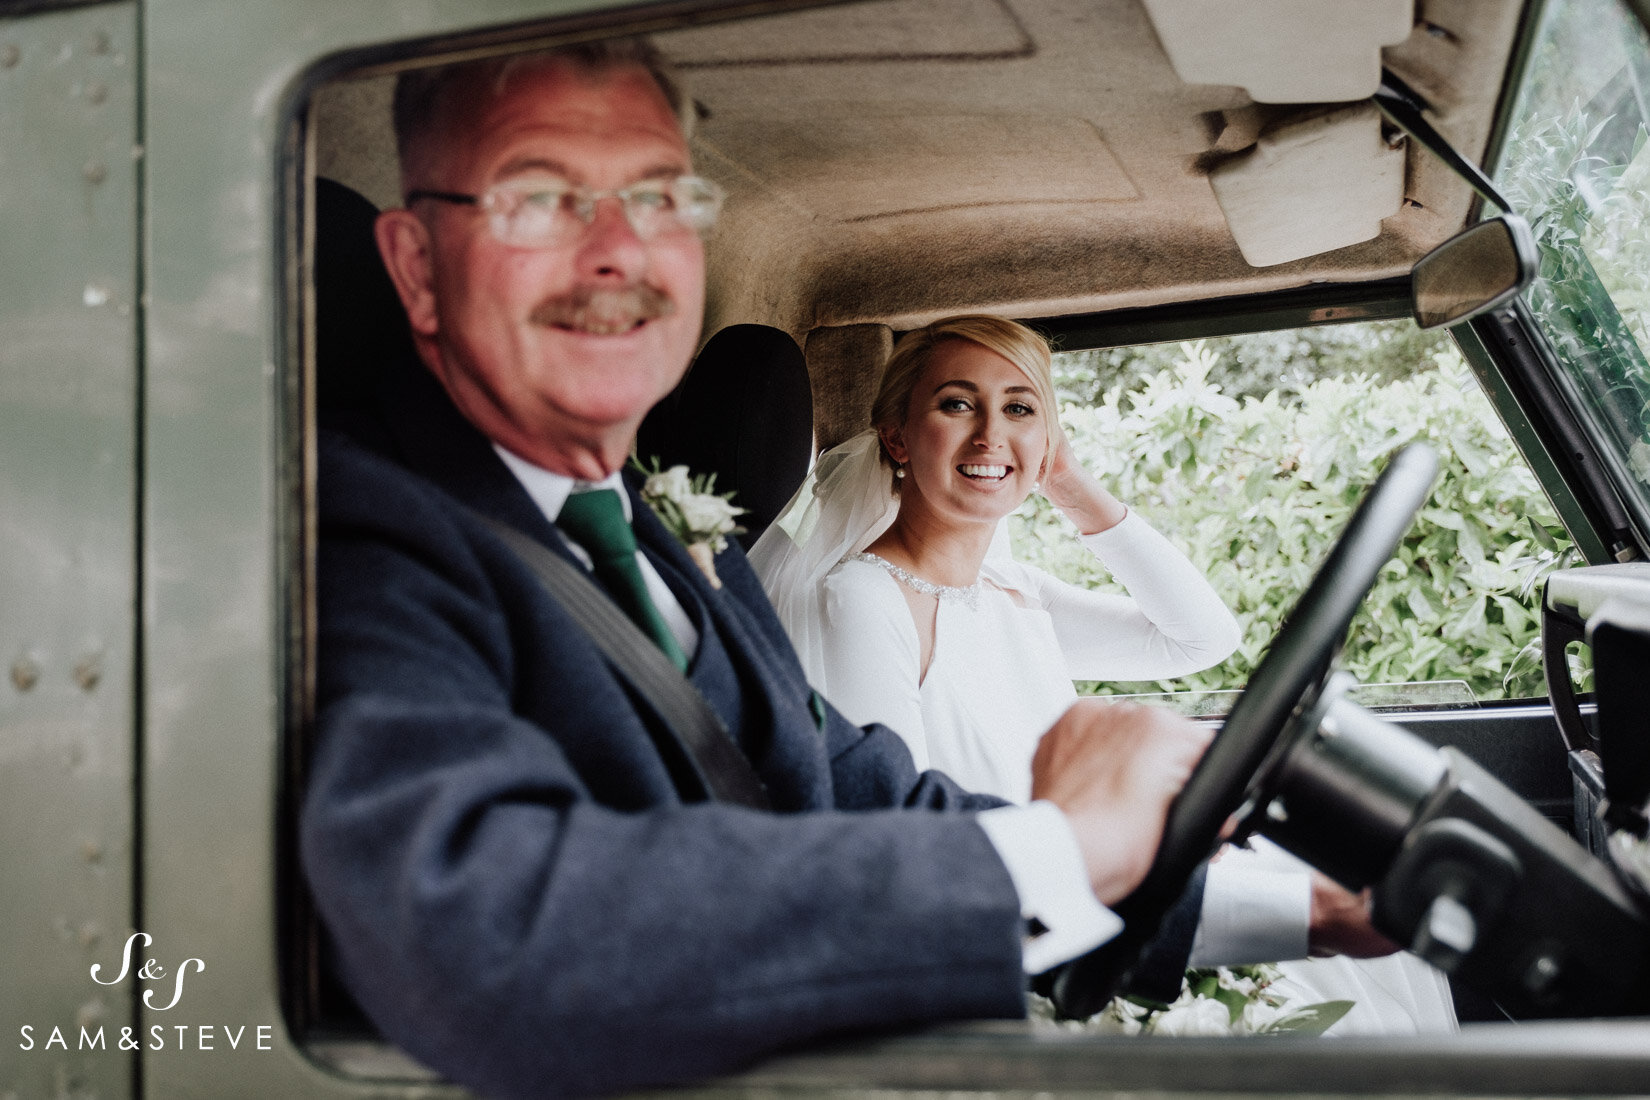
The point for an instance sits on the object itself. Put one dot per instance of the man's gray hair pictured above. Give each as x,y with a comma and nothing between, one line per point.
429,102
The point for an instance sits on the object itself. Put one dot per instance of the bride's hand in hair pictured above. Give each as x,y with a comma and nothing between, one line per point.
1073,490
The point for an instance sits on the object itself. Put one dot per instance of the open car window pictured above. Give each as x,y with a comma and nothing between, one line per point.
1251,451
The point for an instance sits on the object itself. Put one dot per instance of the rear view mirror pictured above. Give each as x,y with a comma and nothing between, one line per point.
1474,271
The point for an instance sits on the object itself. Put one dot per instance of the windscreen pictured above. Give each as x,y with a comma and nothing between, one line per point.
1575,163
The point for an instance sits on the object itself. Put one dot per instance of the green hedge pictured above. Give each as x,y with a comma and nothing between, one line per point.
1255,491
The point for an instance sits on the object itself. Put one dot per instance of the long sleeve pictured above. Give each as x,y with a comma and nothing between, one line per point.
1171,623
871,657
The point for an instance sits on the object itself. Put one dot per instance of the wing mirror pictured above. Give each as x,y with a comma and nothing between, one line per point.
1474,271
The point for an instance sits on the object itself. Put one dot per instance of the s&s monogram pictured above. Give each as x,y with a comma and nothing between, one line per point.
151,971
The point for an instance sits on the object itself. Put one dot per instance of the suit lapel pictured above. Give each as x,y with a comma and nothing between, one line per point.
767,687
421,430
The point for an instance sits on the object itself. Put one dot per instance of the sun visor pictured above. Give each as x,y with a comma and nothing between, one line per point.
1311,185
1282,51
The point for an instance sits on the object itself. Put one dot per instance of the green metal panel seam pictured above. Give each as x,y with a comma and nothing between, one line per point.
67,509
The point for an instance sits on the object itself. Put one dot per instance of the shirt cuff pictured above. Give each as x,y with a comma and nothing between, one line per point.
1252,914
1038,848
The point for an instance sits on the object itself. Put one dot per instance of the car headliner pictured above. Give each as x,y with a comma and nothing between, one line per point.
889,163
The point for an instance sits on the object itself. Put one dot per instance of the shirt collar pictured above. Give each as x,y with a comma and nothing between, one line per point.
550,490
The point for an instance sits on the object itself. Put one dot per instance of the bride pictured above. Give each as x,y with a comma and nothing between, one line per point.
890,570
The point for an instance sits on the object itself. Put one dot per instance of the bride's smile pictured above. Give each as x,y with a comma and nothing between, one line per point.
974,439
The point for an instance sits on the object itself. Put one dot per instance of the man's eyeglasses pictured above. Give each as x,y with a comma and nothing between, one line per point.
544,213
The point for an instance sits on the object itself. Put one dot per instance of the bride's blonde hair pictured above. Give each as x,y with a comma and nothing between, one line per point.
1013,341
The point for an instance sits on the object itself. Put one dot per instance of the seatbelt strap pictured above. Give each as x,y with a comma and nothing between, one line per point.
721,767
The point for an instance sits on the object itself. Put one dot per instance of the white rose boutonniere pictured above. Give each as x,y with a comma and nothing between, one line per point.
692,510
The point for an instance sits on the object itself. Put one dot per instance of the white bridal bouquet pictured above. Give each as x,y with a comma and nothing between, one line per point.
1222,1000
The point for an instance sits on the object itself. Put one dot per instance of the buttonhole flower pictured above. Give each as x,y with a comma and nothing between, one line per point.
691,509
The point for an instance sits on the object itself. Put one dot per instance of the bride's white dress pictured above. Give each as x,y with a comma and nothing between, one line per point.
1002,668
1001,672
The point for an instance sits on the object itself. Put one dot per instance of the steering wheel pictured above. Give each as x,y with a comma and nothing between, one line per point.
1261,727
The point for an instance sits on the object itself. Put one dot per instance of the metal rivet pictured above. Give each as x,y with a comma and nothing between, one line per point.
94,295
92,852
97,92
90,1014
10,55
88,671
25,673
95,172
101,42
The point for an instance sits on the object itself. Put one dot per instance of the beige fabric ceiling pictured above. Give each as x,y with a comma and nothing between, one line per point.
890,162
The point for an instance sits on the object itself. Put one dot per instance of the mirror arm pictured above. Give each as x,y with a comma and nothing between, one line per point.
1403,108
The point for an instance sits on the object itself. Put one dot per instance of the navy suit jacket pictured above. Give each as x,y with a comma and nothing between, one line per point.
517,892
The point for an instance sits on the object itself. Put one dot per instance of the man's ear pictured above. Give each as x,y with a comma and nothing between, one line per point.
893,441
404,243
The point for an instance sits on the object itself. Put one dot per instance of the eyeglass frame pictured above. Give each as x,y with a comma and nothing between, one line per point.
584,203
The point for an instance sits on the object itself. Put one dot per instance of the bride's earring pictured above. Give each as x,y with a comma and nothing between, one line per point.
899,471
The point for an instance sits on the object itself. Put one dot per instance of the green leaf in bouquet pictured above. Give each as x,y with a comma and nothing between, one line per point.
1232,999
1310,1019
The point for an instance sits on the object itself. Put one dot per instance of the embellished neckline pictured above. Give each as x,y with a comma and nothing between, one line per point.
968,595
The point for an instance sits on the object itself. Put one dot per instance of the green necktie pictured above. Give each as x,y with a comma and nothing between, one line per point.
595,520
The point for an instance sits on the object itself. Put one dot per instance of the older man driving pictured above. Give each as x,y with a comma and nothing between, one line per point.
505,831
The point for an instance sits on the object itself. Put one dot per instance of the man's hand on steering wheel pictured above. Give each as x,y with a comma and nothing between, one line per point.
1113,768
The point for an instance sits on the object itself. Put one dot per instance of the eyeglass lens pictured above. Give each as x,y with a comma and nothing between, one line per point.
543,213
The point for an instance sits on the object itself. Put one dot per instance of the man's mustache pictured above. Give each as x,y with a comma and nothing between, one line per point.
604,309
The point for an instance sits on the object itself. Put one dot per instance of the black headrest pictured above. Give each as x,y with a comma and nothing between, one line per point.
743,412
360,328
